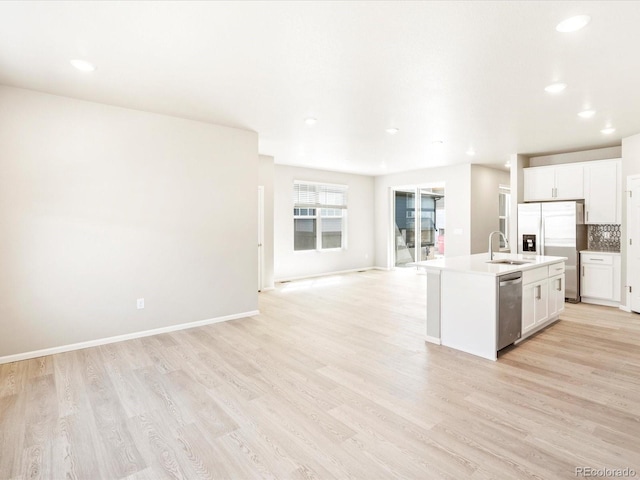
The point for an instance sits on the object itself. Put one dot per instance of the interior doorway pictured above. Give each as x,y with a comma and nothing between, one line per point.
633,242
260,237
418,223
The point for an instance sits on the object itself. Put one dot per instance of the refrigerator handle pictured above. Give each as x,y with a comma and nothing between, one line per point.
541,243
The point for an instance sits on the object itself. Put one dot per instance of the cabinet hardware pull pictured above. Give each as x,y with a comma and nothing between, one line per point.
596,259
559,284
539,294
583,271
587,215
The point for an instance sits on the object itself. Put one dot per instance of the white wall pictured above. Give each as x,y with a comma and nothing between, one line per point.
516,176
580,156
485,188
457,182
266,171
630,166
102,205
360,225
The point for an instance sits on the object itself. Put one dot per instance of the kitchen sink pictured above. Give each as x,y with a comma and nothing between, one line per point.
510,262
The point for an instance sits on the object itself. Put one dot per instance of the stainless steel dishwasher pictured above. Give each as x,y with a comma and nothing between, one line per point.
509,309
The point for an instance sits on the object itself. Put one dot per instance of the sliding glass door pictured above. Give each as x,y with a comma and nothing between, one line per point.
418,225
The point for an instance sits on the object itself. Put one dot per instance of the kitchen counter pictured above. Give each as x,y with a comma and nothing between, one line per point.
601,252
477,264
462,298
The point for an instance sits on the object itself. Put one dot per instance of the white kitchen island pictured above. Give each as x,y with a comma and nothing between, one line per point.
462,298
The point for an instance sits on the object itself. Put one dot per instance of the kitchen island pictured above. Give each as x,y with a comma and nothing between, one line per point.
463,295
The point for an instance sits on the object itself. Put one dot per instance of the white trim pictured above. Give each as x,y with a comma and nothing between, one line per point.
384,269
303,182
430,339
260,237
599,301
624,308
325,274
266,289
119,338
626,299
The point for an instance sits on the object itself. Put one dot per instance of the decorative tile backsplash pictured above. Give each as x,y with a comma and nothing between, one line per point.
605,238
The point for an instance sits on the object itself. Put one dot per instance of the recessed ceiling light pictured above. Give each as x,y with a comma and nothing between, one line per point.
82,65
573,24
310,120
392,130
555,87
471,152
608,130
587,113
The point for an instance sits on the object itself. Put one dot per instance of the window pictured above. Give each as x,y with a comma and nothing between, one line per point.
319,216
504,209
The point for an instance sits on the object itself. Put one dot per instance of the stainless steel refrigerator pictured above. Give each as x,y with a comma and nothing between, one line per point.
556,229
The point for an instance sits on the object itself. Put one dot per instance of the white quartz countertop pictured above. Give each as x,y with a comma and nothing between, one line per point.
600,252
477,264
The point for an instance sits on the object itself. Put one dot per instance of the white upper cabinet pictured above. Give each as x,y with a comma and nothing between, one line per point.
602,185
539,183
555,182
569,181
598,182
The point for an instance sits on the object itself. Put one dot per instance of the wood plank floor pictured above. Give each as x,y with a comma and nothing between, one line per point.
332,380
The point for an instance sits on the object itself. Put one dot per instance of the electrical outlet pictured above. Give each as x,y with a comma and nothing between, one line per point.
140,303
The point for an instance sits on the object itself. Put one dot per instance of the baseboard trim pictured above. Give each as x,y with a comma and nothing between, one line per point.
597,301
119,338
431,339
624,308
326,274
266,289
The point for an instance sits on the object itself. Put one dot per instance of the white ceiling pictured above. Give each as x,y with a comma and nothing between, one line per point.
470,74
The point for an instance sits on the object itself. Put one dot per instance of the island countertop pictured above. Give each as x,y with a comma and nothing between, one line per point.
477,264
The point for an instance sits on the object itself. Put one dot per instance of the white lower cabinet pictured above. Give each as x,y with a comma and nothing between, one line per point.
542,297
534,305
600,277
556,295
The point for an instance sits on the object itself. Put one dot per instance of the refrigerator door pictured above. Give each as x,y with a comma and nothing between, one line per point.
559,224
529,223
564,235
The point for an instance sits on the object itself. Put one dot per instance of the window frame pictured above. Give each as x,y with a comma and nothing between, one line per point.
506,191
318,207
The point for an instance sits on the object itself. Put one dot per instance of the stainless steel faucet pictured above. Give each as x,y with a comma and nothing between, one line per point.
506,243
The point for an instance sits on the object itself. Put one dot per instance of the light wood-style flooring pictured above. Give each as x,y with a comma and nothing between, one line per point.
332,380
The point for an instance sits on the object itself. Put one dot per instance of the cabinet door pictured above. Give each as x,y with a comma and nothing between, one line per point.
539,183
601,192
569,182
535,309
541,308
556,295
528,307
597,281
